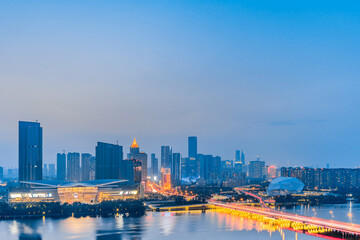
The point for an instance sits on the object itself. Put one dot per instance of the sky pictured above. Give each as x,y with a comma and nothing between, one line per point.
279,79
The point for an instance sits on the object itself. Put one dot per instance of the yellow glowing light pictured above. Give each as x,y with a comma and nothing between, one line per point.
134,144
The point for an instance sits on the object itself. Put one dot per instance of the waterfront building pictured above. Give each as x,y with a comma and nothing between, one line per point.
344,179
108,162
61,166
73,167
166,154
30,151
89,192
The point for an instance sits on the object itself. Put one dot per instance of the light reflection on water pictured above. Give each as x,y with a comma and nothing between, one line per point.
165,225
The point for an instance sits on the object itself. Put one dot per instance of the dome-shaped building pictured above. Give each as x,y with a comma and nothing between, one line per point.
284,186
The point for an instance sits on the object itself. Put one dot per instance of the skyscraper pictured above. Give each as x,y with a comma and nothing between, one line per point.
135,154
73,167
175,169
86,166
61,166
242,158
166,154
192,147
30,151
51,171
237,157
1,173
154,166
45,171
257,169
108,161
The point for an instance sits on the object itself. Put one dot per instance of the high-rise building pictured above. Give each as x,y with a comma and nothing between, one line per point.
257,169
237,157
154,166
242,158
87,167
45,171
127,171
1,173
30,151
192,147
175,169
108,162
73,167
139,156
51,171
61,166
166,178
166,154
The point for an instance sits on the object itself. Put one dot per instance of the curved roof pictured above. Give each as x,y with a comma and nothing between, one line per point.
284,186
57,184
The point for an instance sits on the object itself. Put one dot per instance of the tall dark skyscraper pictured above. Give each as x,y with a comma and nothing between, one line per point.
1,173
73,167
237,157
242,158
166,155
30,151
192,147
86,166
175,169
154,166
61,166
108,162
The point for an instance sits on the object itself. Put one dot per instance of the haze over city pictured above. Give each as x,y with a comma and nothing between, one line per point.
279,80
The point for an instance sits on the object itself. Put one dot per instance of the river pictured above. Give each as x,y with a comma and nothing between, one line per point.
168,225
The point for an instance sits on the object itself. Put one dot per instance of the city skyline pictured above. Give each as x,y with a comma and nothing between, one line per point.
279,80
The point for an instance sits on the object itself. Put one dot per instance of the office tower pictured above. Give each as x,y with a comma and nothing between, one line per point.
166,154
45,171
137,170
257,169
108,161
86,166
237,157
175,169
242,158
192,147
127,171
30,151
1,173
61,166
139,156
166,178
154,166
51,171
73,167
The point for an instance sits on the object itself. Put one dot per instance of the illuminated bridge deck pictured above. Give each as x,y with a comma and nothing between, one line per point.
317,226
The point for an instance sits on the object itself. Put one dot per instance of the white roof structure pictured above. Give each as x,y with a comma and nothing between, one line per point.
284,186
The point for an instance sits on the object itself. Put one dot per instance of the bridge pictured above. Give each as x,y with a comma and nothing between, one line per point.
310,225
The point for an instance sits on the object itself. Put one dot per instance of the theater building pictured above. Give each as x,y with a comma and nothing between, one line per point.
90,192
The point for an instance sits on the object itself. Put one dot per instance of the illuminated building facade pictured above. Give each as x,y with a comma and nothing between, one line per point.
90,192
166,178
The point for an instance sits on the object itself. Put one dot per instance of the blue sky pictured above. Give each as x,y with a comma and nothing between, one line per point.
276,78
